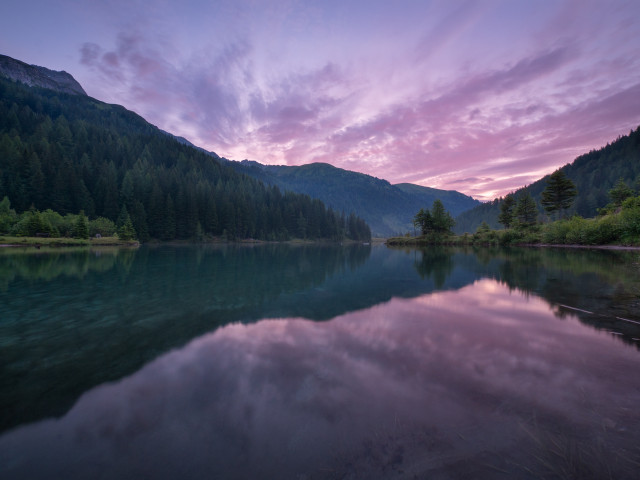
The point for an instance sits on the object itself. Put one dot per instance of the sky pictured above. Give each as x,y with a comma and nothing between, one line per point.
479,96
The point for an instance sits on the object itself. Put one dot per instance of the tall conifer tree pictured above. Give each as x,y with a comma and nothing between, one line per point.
526,210
507,206
559,194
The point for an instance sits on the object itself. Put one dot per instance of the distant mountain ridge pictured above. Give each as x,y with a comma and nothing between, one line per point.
35,76
388,209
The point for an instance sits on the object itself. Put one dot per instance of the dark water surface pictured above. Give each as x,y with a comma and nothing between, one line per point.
308,362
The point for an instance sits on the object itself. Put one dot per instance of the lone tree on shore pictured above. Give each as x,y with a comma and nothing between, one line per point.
437,220
559,194
443,222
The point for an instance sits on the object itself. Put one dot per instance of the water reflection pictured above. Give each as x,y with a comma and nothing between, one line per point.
601,286
73,320
480,382
51,263
436,263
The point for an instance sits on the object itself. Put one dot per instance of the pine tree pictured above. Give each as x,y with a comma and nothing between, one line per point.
302,226
81,226
36,182
423,221
122,217
169,227
507,206
620,192
559,194
483,228
526,211
126,231
442,220
139,221
7,215
211,217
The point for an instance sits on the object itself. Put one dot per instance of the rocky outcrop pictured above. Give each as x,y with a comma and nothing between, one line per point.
35,76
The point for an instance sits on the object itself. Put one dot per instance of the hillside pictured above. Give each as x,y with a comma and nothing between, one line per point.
69,152
594,174
388,209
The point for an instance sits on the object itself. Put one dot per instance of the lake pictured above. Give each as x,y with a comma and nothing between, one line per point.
319,362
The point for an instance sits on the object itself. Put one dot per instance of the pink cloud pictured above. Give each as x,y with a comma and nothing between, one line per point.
432,138
446,101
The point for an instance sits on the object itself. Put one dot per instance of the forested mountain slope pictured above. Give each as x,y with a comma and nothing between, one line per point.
70,152
594,174
388,209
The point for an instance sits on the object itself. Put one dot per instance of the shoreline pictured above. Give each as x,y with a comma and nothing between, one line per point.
61,242
576,245
38,243
410,243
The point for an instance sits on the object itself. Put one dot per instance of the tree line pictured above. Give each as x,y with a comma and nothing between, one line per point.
594,174
522,211
71,154
617,223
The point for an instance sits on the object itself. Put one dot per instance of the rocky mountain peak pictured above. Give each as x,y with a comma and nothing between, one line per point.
36,76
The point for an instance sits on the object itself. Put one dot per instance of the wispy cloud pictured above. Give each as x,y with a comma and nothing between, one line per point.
443,101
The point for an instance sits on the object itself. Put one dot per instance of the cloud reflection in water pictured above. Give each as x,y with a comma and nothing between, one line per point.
456,383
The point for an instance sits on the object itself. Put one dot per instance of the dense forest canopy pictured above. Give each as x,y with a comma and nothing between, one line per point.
72,153
388,209
594,174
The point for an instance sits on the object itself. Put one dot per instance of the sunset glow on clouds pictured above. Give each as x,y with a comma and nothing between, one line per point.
478,96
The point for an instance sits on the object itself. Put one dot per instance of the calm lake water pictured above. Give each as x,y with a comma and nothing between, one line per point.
319,362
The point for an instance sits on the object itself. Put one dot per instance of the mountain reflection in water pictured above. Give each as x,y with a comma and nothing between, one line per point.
456,375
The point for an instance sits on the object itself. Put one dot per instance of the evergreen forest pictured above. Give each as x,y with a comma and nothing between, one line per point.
594,174
387,208
70,154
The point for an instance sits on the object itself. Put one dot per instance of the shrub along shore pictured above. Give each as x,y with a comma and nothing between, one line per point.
619,225
12,241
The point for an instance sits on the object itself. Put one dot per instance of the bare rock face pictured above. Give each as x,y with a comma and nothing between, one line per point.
35,76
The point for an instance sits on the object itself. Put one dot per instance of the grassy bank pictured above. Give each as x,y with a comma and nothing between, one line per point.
7,240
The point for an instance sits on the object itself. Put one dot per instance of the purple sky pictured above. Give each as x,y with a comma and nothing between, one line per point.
478,96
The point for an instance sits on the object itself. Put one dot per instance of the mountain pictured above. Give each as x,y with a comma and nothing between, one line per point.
36,76
594,174
68,152
388,209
